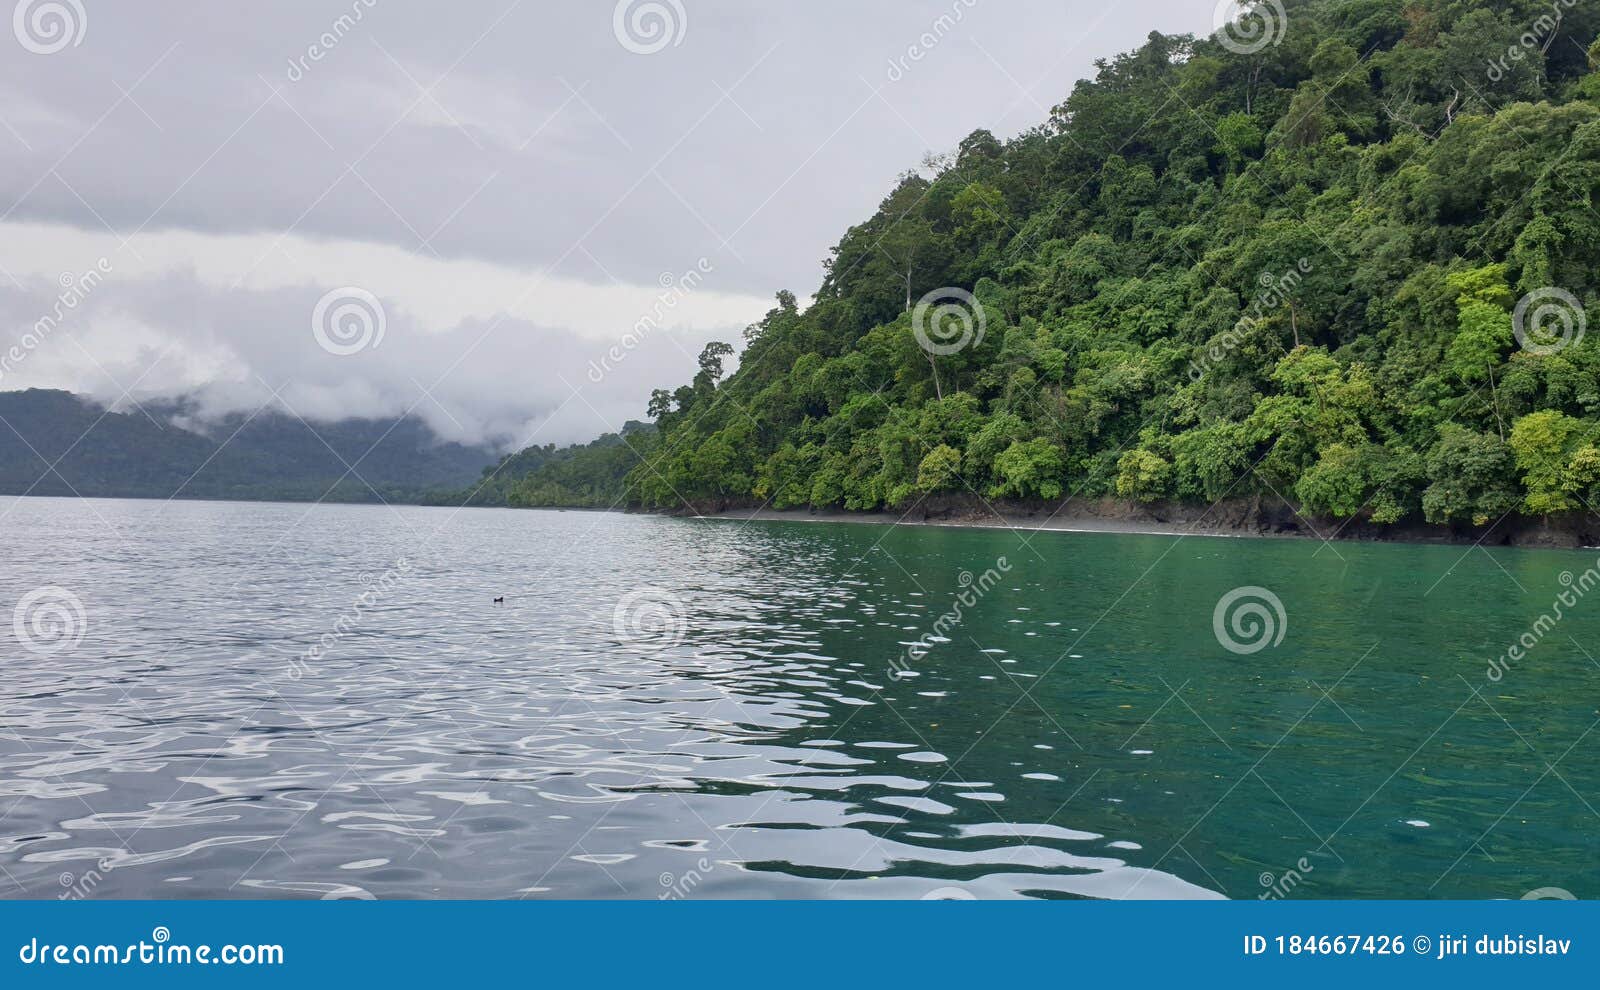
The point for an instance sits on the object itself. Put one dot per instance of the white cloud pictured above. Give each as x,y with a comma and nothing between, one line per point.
483,352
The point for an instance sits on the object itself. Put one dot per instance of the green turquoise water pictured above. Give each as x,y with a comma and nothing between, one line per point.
1370,753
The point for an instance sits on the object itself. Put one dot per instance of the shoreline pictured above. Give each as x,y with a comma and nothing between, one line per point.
1233,519
1004,521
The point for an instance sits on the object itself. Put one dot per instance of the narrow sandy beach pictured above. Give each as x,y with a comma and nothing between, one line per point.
1231,521
1041,523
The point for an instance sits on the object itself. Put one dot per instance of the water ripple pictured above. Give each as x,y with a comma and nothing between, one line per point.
227,729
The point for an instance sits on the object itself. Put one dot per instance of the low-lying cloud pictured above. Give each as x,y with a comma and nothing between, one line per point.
483,353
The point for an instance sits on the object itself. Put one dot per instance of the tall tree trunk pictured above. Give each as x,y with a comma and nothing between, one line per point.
1498,422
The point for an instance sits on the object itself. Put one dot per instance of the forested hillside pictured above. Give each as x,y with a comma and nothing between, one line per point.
1349,264
587,476
57,443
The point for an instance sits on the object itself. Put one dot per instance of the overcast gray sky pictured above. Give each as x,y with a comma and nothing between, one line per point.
511,185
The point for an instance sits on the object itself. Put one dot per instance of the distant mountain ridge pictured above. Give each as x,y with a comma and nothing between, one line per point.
270,456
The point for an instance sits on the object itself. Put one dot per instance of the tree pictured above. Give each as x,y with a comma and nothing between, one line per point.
1336,484
1027,469
940,470
1144,475
1543,443
980,215
1484,302
660,404
1473,478
710,362
1238,138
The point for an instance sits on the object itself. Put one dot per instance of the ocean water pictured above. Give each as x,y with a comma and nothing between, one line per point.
272,701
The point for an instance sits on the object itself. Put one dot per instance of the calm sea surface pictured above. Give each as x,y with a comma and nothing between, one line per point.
249,700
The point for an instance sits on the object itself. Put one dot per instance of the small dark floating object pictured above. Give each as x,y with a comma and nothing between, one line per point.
501,600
